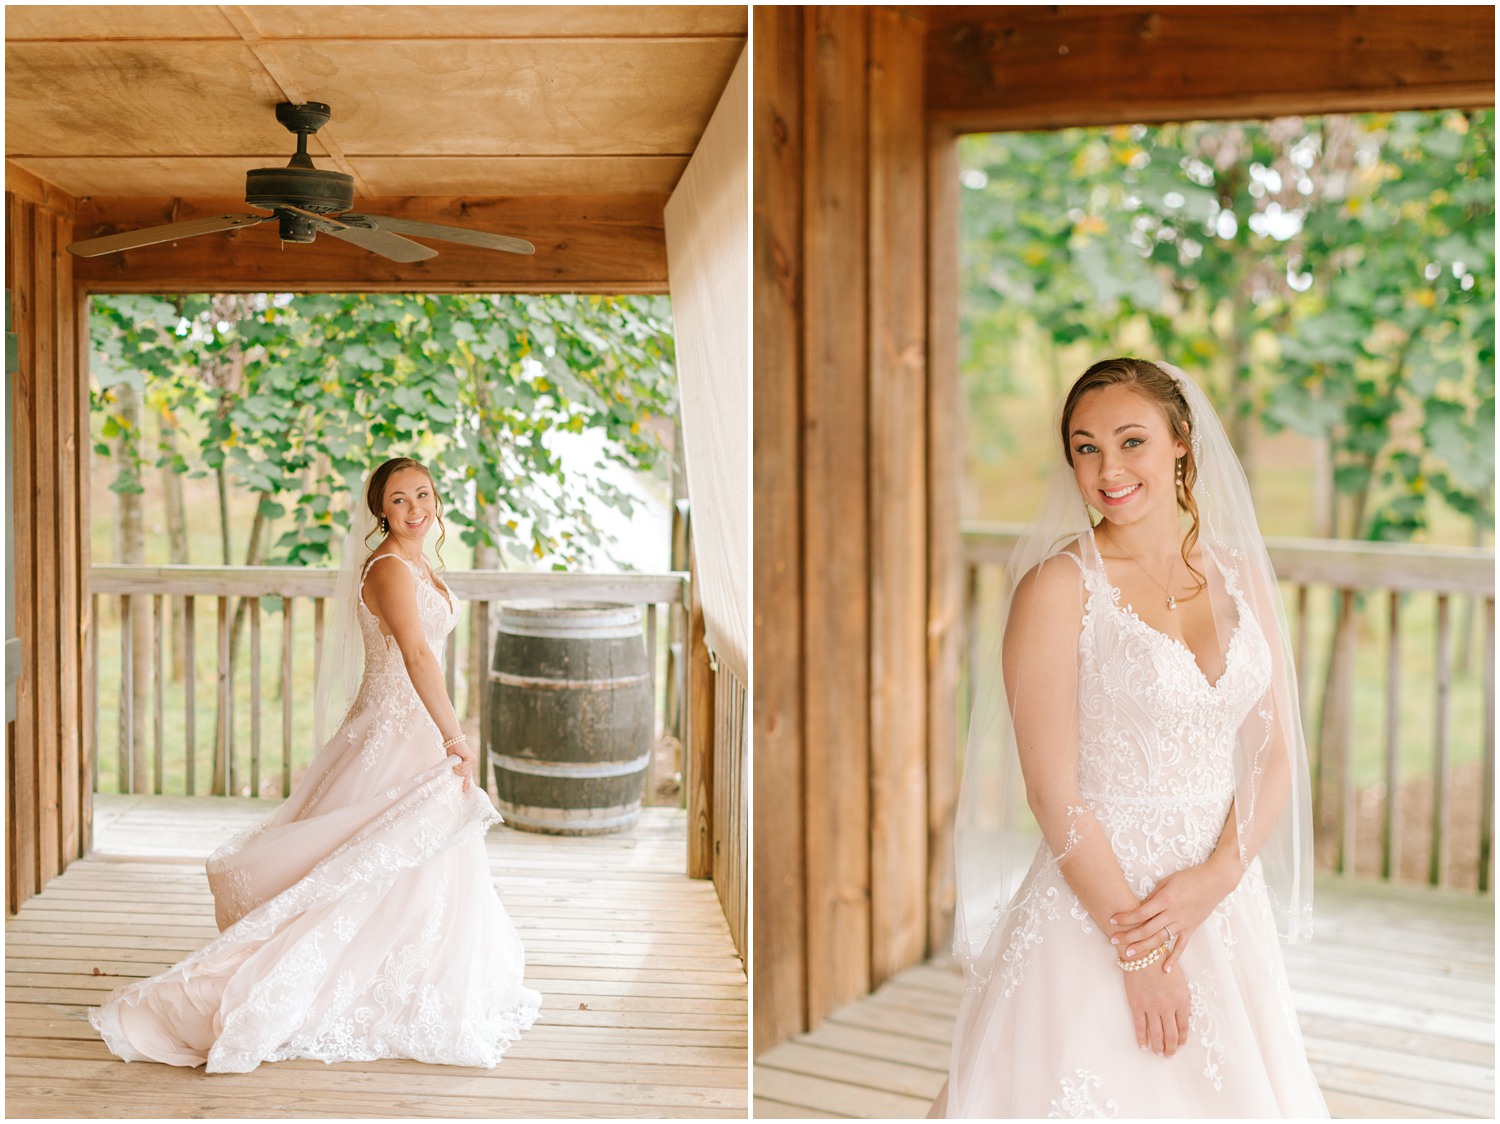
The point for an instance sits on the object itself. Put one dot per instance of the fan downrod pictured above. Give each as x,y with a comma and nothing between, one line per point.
300,184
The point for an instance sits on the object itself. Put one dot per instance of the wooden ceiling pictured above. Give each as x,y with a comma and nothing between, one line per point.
427,100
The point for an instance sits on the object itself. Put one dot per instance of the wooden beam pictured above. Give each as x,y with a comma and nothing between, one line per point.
32,188
1045,67
780,885
600,244
898,512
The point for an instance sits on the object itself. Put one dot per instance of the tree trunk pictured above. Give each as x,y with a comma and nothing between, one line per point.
134,776
177,542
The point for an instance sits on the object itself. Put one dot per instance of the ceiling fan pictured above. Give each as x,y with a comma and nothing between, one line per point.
304,201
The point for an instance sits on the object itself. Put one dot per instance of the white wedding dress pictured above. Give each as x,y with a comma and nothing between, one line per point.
359,920
1051,1034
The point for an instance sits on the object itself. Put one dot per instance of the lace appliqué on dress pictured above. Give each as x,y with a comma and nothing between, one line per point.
1077,1099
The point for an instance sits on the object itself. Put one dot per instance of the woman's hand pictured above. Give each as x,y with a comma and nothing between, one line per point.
1180,903
468,762
1160,1005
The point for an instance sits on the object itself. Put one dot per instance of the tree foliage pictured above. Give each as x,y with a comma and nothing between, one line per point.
1333,275
297,398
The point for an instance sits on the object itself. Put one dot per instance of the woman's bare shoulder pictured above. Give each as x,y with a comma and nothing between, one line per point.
1053,584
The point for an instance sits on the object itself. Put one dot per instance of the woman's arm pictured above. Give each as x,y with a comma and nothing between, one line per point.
1041,682
390,593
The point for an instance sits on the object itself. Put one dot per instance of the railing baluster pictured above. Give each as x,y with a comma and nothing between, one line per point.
94,689
1487,782
648,796
972,638
450,659
286,696
158,680
1442,685
226,756
253,607
318,659
480,681
1302,649
127,694
1343,736
1390,843
189,683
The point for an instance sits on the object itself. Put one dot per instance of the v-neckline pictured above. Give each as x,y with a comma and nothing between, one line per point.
1128,611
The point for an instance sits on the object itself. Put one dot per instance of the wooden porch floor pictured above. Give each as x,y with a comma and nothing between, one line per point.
644,998
1396,997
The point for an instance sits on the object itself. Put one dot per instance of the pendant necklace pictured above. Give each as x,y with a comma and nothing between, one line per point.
1171,601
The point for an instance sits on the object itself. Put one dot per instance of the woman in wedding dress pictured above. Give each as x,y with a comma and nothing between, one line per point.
358,921
1127,962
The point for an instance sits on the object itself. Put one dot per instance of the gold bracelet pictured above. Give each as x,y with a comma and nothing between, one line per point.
1145,961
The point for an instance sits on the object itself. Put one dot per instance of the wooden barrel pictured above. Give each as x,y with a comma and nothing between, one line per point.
570,717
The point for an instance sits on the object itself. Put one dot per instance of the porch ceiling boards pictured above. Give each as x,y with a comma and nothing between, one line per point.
566,125
644,999
1395,994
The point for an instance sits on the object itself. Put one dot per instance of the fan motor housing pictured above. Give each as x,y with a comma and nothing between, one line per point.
311,189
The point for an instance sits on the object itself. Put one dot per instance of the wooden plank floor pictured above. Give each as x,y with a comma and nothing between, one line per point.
644,998
1396,997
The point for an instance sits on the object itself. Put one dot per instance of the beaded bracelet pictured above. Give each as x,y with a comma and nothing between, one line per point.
455,741
1145,961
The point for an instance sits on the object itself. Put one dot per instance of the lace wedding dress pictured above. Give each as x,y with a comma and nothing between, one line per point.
1051,1034
358,921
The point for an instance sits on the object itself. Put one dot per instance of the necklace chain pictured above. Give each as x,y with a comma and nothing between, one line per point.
1171,601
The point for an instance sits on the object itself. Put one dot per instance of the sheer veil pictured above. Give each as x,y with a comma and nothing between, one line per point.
341,658
997,838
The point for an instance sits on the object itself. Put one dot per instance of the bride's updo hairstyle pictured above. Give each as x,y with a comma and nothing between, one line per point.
1152,383
375,497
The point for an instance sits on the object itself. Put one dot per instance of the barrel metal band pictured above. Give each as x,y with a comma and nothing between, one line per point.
570,826
570,768
606,632
510,680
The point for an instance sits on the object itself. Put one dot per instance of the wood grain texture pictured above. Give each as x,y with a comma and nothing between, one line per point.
21,773
73,446
780,886
434,21
644,999
698,764
1388,1034
1032,67
43,527
835,527
583,244
898,496
945,567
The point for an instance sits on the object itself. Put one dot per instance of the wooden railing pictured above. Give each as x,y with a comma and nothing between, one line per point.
143,589
1331,590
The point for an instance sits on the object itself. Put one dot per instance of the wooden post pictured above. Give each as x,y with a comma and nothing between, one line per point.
1487,744
780,888
945,588
835,511
158,684
698,776
1343,737
224,782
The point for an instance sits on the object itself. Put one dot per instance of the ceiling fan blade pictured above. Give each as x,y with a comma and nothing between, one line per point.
152,235
461,234
382,242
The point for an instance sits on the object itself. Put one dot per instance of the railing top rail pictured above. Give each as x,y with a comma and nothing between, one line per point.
1338,562
303,581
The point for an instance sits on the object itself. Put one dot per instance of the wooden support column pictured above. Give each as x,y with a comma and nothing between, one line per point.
48,799
898,496
835,527
780,884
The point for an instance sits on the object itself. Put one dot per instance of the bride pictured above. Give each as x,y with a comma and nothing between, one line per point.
1127,962
358,921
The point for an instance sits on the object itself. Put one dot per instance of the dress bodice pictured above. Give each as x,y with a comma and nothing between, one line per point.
1157,740
438,616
